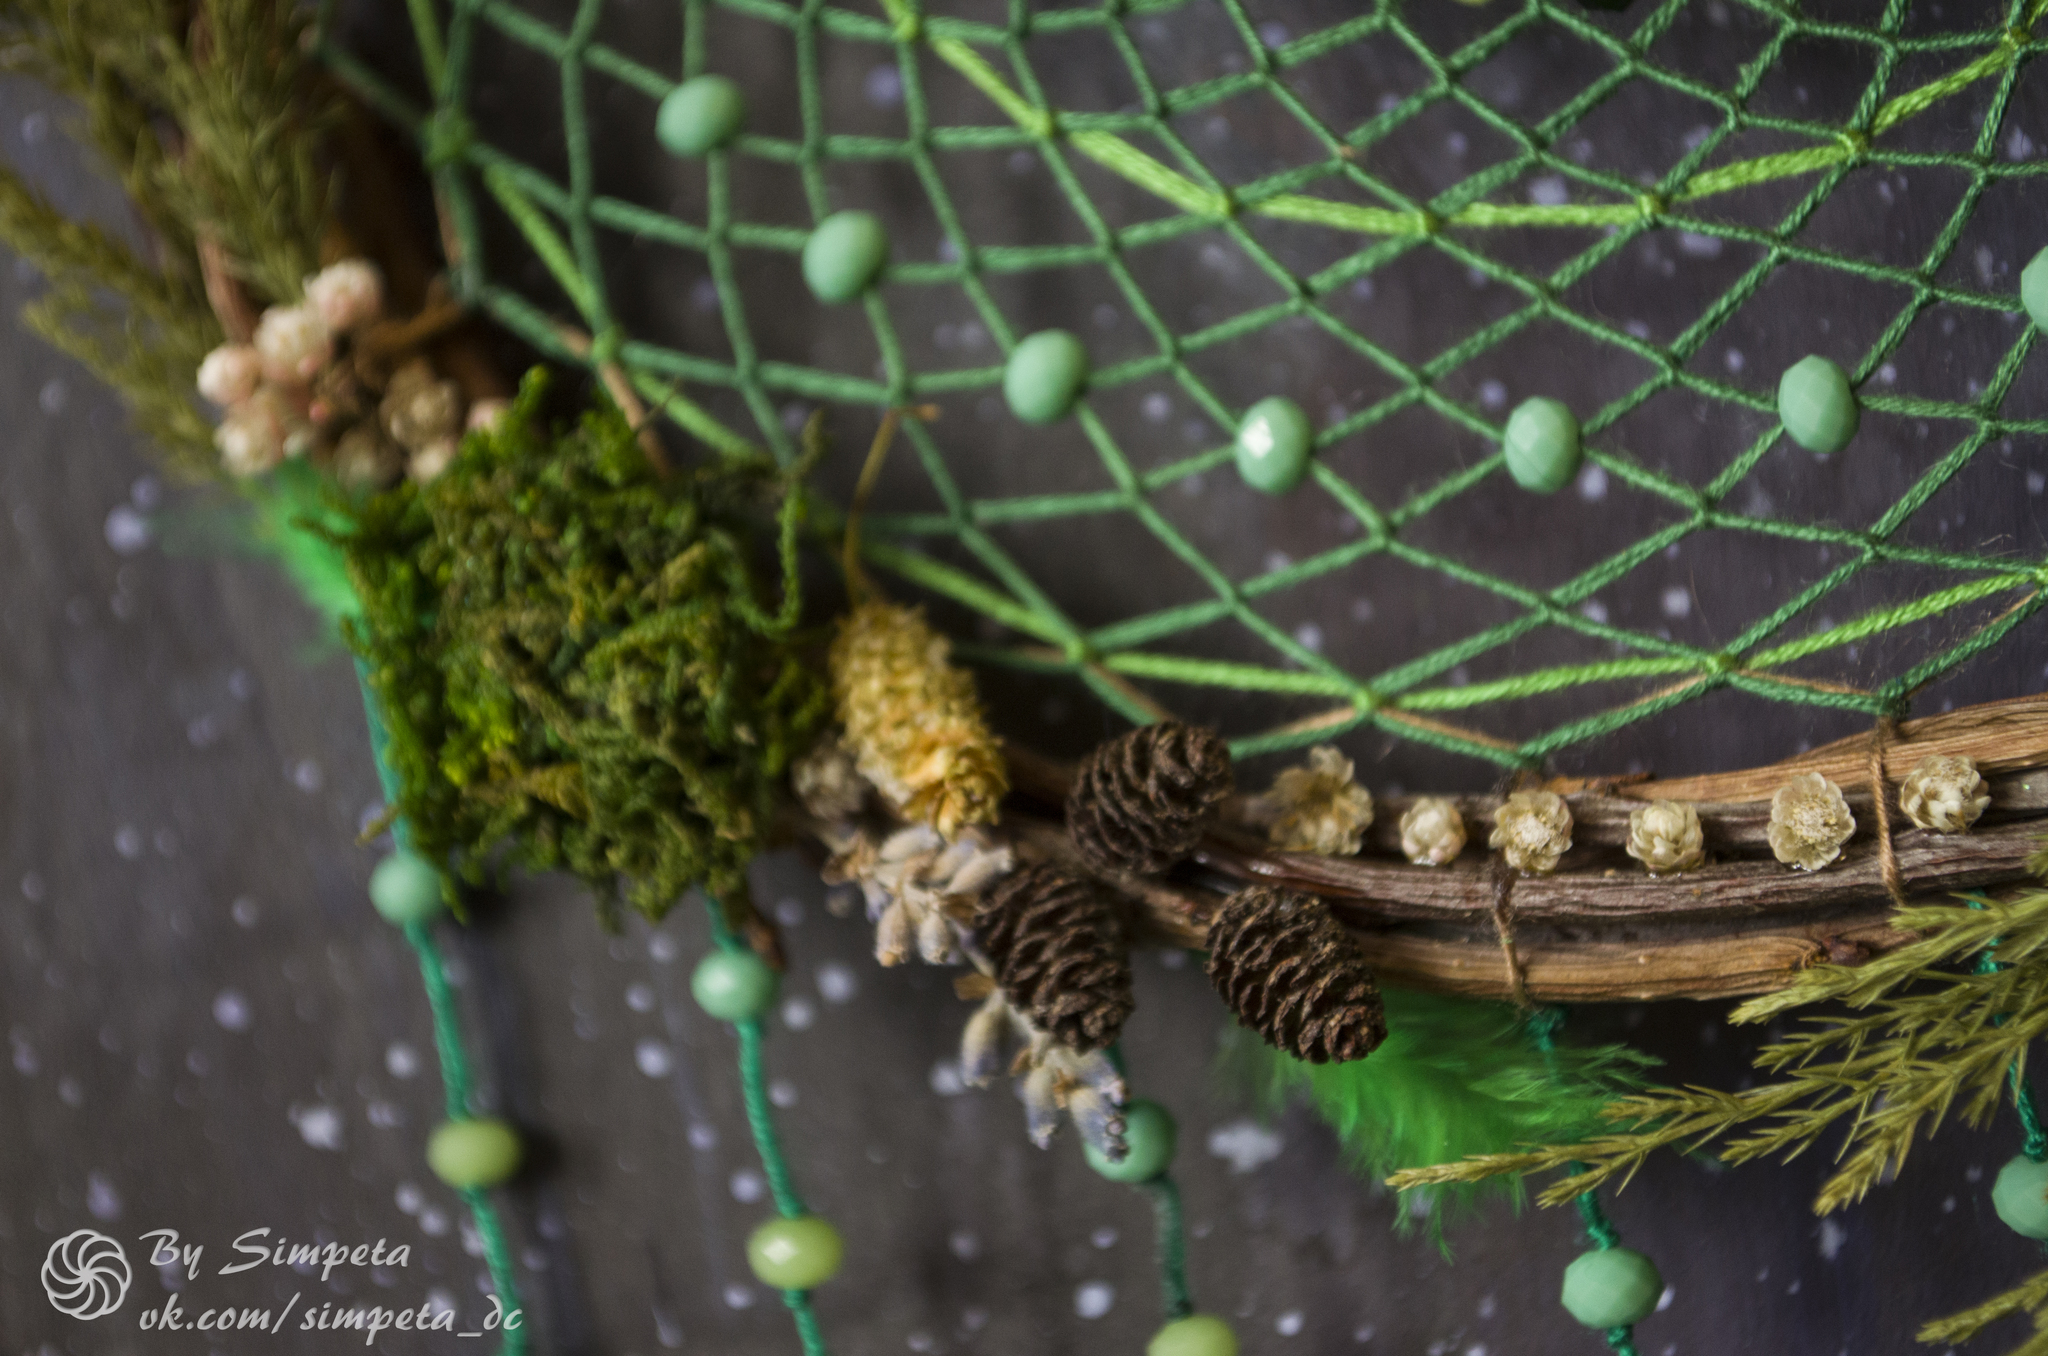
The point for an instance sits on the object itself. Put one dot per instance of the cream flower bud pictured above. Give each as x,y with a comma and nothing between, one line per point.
431,461
827,783
257,433
347,294
294,344
1809,822
228,375
1665,836
1432,831
1945,794
1533,830
1322,808
486,413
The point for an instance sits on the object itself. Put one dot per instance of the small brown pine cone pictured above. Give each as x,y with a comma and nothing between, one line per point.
1140,799
1291,973
1060,955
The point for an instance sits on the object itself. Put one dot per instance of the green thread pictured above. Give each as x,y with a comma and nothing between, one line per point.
1411,700
449,1045
767,1144
1172,1246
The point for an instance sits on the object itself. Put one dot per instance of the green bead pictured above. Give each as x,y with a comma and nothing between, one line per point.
1149,1135
795,1254
1611,1288
2034,290
2020,1196
405,888
733,986
700,115
1816,405
1273,445
1195,1335
1044,376
1542,445
467,1154
844,256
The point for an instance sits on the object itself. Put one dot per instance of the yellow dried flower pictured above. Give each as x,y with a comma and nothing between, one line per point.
1533,830
1945,794
913,720
1665,836
1810,821
1322,808
1432,831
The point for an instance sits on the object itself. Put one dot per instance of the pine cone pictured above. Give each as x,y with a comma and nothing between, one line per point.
1139,801
1290,972
1059,952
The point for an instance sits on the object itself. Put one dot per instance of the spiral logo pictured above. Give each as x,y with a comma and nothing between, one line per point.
86,1274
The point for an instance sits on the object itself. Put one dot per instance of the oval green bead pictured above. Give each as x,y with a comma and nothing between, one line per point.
733,986
1195,1335
844,256
1541,443
1273,445
469,1154
2020,1196
2034,290
1044,376
1611,1288
1816,406
1149,1138
700,115
795,1254
405,888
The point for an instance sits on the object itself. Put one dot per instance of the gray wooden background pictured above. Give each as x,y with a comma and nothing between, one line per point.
208,1030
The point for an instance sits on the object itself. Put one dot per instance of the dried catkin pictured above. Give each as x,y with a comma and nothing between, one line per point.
1944,793
1139,800
913,720
1810,821
1290,971
1059,952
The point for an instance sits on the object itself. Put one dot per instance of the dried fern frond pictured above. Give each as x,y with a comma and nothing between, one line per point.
1923,1042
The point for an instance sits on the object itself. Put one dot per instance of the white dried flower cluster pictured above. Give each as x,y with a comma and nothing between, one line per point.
1432,831
1944,793
293,389
920,889
1810,821
1056,1080
826,782
346,296
1321,807
1533,830
1665,837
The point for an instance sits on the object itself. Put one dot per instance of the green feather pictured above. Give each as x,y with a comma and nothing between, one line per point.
1455,1076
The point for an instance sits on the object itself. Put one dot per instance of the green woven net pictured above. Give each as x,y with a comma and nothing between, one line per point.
1649,214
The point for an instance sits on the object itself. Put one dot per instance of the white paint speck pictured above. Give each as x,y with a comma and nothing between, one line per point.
1593,483
640,997
964,1244
319,1125
1103,1237
747,1186
654,1058
783,1093
883,86
1157,407
662,949
1289,1323
789,912
1310,637
306,775
1365,1332
1664,1300
1734,360
127,531
1677,602
1549,191
1493,395
703,1137
799,1013
245,912
1245,1145
739,1296
837,983
1094,1298
101,1199
232,1011
53,397
128,841
410,1198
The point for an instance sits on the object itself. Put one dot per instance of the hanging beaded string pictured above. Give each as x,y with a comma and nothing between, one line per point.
470,1153
1611,1288
797,1251
2020,1193
1150,1137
